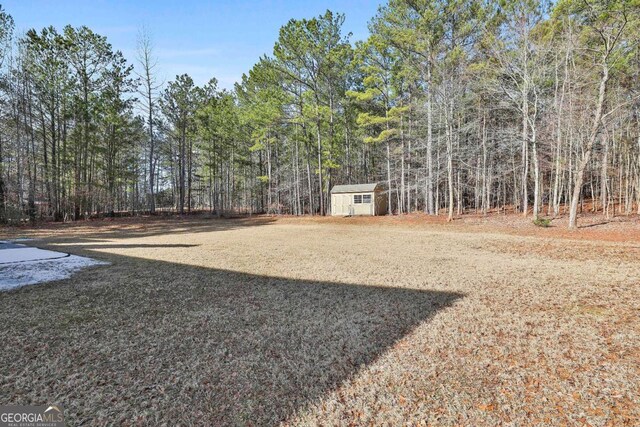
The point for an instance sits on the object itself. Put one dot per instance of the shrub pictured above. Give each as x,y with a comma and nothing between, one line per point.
542,222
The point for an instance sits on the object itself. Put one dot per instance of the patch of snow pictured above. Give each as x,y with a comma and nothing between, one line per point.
25,253
19,274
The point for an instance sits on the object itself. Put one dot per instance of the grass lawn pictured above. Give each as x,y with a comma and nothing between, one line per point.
328,322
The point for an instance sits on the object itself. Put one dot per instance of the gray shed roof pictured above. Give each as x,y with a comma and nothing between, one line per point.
353,188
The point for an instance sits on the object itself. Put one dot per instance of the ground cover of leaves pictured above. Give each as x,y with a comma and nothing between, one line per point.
289,321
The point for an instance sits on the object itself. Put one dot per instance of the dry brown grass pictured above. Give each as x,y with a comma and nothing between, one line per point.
386,321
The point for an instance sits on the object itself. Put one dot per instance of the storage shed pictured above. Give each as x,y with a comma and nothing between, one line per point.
358,199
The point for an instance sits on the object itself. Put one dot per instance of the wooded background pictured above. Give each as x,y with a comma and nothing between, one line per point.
456,106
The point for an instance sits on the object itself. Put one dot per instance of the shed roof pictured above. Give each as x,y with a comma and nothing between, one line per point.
353,188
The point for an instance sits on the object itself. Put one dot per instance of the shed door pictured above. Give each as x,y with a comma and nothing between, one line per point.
344,203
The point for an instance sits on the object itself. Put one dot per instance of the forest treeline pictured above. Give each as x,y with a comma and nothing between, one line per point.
454,105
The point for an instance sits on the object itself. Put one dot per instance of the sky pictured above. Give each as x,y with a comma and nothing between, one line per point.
215,38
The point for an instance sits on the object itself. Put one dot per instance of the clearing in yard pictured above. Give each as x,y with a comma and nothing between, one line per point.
329,321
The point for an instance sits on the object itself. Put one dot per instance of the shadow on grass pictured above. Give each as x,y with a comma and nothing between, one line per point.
151,342
100,230
595,224
91,246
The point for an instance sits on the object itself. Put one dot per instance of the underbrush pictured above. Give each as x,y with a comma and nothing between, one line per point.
542,222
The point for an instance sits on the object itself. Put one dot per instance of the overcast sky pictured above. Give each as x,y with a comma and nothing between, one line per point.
205,39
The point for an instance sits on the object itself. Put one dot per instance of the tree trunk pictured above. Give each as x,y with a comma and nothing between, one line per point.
586,157
525,149
449,135
429,205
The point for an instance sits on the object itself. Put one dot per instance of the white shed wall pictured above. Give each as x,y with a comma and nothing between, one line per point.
342,204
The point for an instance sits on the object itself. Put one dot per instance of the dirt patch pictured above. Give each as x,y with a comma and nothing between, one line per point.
332,321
